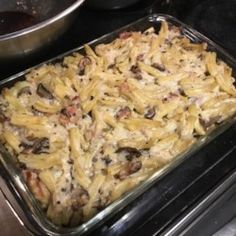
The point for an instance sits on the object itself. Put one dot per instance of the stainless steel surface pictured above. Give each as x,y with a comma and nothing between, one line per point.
9,223
53,16
228,230
25,198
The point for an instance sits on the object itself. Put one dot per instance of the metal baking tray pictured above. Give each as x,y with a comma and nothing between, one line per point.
36,218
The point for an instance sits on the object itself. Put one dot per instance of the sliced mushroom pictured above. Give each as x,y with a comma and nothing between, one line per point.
129,152
25,90
3,117
159,67
82,64
107,159
43,92
140,57
111,66
35,145
136,71
151,112
181,92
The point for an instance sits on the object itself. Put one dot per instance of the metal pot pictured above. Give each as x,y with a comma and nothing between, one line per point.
52,19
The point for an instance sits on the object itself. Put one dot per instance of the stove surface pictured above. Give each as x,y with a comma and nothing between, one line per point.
217,20
214,18
163,203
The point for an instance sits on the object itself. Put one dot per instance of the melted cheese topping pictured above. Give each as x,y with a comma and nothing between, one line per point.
91,128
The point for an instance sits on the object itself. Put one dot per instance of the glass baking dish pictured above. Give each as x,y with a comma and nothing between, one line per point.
35,216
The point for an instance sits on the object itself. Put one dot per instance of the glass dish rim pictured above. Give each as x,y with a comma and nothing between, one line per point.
26,197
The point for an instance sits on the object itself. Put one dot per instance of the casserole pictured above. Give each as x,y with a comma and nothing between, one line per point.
153,20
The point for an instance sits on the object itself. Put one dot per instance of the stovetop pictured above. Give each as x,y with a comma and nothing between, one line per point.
166,201
214,18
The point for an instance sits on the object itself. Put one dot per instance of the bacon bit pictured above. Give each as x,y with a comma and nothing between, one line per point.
208,123
124,88
174,28
79,198
140,57
69,113
123,113
132,167
38,188
125,35
76,101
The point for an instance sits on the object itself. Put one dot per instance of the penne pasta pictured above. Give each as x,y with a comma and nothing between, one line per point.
89,129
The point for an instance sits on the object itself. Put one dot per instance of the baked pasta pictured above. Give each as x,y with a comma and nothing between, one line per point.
92,127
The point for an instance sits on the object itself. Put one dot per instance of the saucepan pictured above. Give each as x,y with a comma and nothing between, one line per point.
28,25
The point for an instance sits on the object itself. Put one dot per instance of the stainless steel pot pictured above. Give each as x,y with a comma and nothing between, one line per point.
52,18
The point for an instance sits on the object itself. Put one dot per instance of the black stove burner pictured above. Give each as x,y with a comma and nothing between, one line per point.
217,20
